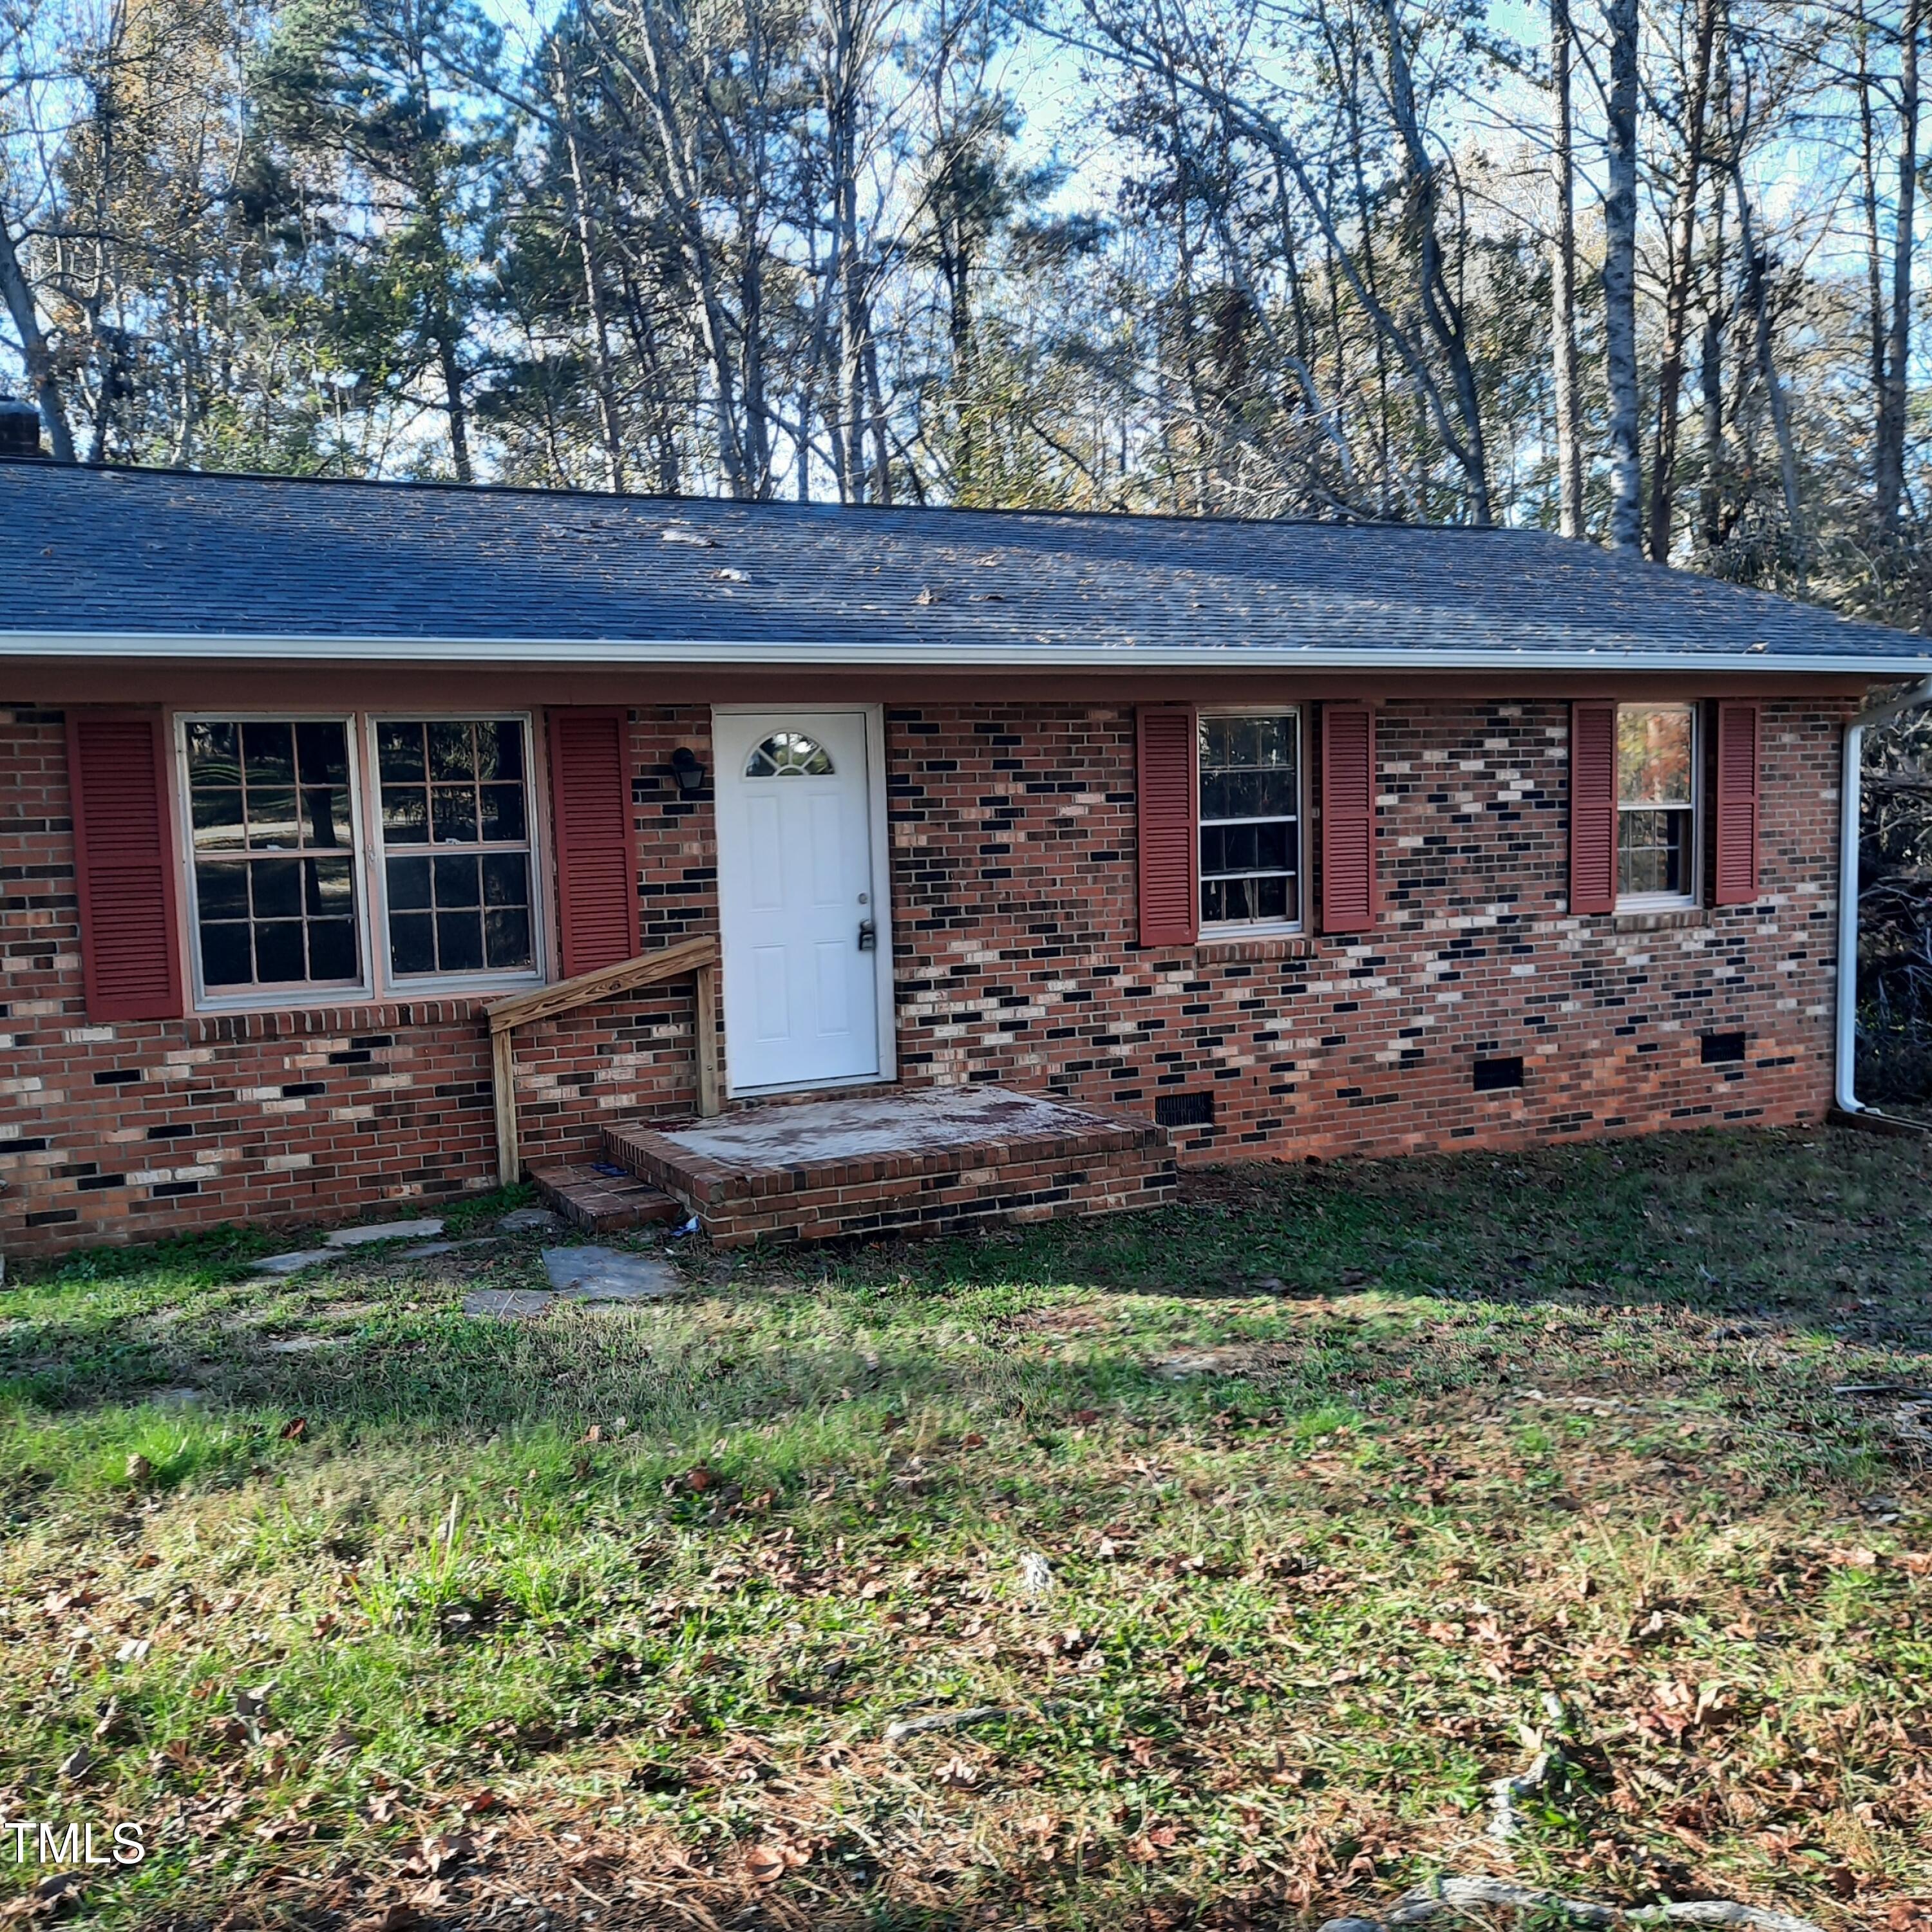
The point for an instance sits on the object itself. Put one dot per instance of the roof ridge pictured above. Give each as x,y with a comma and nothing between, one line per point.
43,466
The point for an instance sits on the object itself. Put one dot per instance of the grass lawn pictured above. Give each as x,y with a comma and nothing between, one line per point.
1274,1528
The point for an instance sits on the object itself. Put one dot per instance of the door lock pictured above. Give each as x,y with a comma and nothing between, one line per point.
868,936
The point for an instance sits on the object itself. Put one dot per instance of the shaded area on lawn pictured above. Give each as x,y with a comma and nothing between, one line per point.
1275,1521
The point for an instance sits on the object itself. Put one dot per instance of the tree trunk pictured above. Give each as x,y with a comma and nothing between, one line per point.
19,296
1563,284
1758,267
1442,311
1710,499
459,411
1620,281
1890,481
577,190
1868,200
1677,294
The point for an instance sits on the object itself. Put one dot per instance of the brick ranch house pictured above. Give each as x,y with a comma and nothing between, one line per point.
1042,851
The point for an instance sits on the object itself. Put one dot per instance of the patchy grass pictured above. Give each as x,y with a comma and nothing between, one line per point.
1276,1527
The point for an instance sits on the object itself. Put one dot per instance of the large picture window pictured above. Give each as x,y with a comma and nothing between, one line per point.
1250,818
281,812
1657,804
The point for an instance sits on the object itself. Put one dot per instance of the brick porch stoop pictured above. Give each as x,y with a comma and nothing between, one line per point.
899,1161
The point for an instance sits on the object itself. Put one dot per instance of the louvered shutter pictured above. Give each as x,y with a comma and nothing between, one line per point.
1737,801
1169,841
123,865
1348,818
590,823
1593,807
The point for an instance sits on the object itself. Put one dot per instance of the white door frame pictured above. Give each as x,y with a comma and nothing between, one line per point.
880,844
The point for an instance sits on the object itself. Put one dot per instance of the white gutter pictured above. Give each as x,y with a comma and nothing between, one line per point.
1850,791
1397,656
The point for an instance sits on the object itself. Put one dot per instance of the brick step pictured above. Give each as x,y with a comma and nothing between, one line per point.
899,1160
602,1197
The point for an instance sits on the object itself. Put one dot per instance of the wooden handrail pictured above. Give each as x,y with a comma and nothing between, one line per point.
698,957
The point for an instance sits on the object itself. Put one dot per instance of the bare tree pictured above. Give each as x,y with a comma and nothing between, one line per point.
1620,279
1563,278
1888,455
1680,268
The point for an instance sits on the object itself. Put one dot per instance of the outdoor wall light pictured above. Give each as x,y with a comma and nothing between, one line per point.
687,768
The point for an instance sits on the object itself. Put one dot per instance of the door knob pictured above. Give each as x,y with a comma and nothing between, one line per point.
868,936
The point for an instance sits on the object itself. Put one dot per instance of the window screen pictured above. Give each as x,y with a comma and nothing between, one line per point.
1250,819
273,827
456,845
1657,796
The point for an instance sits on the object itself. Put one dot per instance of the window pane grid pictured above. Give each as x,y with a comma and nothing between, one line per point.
269,813
455,832
1249,819
1656,801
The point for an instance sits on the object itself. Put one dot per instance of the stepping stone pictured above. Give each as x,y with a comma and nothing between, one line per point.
292,1264
507,1304
604,1274
426,1229
530,1221
300,1345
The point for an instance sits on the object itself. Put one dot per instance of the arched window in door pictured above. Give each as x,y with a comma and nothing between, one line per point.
788,754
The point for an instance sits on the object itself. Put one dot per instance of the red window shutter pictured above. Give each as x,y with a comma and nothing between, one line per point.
590,821
1593,807
124,861
1348,818
1170,840
1737,801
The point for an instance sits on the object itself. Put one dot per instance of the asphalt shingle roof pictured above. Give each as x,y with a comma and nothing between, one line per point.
196,564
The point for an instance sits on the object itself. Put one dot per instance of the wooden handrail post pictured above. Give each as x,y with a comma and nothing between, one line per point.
503,1079
704,1023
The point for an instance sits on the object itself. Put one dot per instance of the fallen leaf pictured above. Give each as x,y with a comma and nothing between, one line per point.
765,1863
294,1429
699,1479
438,1854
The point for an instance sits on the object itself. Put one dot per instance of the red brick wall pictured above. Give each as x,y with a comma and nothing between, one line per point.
1012,833
141,1128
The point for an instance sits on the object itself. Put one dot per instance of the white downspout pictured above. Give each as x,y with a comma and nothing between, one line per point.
1851,787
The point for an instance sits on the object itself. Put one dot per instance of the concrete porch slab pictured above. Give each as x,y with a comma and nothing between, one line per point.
898,1160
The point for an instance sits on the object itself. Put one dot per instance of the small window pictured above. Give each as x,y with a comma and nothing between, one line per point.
1657,804
789,755
1497,1076
1722,1049
455,828
1250,818
272,826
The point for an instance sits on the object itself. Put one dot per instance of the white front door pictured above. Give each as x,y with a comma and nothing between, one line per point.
798,906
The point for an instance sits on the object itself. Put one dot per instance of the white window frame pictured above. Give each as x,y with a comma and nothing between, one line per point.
1242,928
1694,894
367,852
507,980
293,992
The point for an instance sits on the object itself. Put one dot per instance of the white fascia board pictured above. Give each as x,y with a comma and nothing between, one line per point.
814,654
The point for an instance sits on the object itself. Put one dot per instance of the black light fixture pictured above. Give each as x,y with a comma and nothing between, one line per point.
687,768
